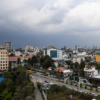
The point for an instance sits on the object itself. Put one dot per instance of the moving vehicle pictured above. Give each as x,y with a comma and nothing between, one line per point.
46,81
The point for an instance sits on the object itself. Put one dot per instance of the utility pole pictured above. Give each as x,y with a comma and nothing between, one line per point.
46,93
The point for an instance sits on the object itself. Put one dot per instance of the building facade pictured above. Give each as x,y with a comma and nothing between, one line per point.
4,61
7,45
54,53
78,59
97,58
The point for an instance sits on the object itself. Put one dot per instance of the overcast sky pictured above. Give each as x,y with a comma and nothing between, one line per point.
55,22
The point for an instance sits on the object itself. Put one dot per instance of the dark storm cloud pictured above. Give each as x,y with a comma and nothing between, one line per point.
55,22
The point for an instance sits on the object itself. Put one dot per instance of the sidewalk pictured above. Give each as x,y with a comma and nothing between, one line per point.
37,91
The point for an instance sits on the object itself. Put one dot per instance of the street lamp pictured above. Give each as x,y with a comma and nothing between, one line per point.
45,87
77,89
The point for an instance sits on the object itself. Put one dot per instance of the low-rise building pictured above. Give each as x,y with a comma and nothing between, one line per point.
78,59
90,71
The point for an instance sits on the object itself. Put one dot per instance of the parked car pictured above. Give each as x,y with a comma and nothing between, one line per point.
61,80
45,74
94,85
99,88
32,77
54,76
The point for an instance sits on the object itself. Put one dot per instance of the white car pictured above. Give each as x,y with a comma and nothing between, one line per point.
98,87
31,77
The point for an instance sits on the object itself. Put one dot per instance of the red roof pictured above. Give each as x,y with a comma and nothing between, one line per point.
14,58
27,56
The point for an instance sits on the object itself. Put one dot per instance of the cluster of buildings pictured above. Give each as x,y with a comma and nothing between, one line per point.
59,55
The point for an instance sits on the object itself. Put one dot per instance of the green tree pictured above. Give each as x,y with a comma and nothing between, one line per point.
9,68
25,60
10,85
18,61
48,62
7,75
4,94
82,65
8,97
2,86
91,87
81,85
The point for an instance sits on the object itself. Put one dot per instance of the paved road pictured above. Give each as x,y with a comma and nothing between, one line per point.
68,86
36,91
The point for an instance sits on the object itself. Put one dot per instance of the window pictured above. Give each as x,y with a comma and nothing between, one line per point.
1,55
6,67
1,58
3,61
1,67
3,64
6,64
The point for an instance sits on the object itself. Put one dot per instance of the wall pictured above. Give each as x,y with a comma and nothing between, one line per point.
78,59
97,58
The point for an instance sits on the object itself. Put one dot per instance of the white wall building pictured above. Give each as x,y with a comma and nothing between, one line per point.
67,72
17,53
90,71
78,59
36,49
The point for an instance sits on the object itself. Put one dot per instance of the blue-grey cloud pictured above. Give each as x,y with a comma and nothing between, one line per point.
54,22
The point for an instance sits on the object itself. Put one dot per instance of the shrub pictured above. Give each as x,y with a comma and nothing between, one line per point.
96,90
85,87
66,82
91,87
32,95
71,83
38,85
76,85
81,85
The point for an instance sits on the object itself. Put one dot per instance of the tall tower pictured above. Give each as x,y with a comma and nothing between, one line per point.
7,45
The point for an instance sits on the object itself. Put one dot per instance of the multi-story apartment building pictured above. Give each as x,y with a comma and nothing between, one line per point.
4,62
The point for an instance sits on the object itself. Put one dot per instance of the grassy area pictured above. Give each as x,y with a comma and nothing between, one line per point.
63,93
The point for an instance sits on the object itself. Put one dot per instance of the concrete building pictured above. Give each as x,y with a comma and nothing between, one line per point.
36,49
17,53
4,61
29,48
90,71
1,46
78,59
8,45
54,53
